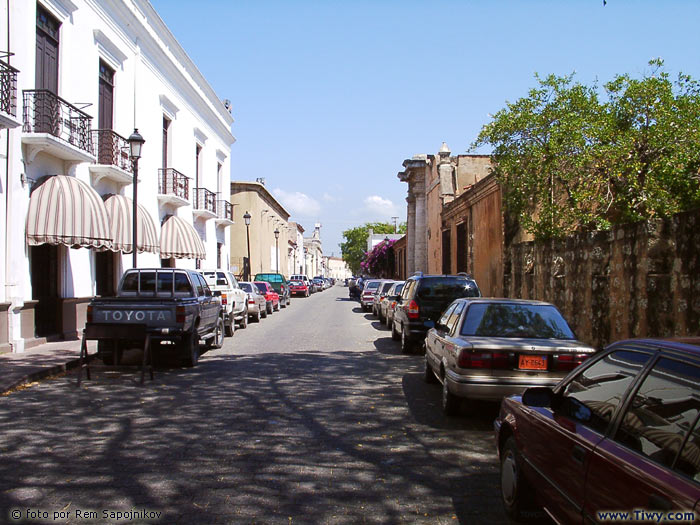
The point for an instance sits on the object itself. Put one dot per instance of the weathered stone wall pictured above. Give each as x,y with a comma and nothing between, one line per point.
637,280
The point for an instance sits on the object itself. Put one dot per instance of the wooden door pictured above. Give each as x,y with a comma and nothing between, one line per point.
45,266
46,109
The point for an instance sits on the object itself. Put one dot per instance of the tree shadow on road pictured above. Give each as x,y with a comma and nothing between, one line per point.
311,437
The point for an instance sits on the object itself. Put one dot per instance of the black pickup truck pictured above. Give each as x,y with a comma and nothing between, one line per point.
176,306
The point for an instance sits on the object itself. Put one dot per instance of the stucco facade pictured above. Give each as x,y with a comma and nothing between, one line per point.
88,73
434,181
266,216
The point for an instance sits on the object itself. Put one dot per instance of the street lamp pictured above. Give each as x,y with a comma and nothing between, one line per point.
277,251
135,143
246,268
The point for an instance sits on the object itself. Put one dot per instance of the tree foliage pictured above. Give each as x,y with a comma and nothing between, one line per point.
380,261
355,245
569,157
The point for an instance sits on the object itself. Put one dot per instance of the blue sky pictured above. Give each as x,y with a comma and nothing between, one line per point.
330,97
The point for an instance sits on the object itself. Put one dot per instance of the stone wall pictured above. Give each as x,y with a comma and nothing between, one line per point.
637,280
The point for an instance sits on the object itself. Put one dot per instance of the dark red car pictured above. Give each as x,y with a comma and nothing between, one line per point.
620,434
298,288
272,298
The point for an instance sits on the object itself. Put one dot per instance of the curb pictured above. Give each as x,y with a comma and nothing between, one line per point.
44,373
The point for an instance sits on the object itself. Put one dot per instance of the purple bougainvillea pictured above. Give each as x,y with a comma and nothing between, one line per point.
380,261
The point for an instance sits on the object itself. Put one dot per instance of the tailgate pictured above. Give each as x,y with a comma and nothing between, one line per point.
152,315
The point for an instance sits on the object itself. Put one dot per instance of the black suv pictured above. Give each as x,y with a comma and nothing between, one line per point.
422,301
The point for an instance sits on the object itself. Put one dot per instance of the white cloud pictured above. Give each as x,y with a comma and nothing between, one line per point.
298,203
329,198
380,207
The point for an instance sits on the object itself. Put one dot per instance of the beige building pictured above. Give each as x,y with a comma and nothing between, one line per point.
268,253
433,182
337,268
296,249
313,253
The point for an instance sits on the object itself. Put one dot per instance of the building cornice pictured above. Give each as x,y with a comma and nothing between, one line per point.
260,189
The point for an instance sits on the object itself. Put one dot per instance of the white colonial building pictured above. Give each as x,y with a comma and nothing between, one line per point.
78,78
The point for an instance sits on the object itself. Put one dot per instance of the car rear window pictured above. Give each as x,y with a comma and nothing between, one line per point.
447,287
372,285
246,287
386,286
261,287
270,277
515,320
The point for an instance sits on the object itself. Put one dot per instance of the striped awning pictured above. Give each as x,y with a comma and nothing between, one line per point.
180,240
120,212
65,210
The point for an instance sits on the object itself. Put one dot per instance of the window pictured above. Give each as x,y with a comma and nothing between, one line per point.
199,283
516,320
182,285
662,412
595,393
165,283
446,252
446,315
166,128
454,317
148,282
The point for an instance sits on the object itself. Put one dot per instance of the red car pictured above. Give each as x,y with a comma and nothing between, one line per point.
618,439
272,298
298,288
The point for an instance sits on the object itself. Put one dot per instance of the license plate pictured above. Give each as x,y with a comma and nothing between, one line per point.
532,362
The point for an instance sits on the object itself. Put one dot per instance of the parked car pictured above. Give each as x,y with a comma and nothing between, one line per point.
303,278
367,296
299,288
485,348
319,284
379,294
422,301
387,305
279,285
233,300
257,304
620,433
272,298
175,305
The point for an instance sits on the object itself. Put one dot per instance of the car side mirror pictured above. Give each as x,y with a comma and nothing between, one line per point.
538,396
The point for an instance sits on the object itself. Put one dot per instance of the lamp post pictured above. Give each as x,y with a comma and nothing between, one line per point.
246,269
277,251
135,143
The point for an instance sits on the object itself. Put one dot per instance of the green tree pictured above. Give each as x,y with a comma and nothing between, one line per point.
567,160
355,245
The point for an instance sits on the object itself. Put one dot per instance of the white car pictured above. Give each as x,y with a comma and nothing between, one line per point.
234,301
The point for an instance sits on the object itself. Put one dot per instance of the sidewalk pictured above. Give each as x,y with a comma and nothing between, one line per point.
39,362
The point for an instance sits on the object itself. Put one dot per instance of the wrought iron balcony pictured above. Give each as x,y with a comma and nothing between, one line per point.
111,149
204,203
8,89
46,112
224,212
173,187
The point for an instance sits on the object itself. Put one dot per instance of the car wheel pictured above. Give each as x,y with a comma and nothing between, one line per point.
257,316
230,328
406,344
277,308
244,321
394,334
428,374
450,402
218,340
516,492
268,308
190,349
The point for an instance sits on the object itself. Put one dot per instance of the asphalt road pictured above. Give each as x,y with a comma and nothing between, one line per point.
311,416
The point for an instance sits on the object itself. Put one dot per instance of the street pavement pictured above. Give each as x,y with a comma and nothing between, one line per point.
311,416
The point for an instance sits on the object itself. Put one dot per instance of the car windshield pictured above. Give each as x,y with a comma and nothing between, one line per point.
447,287
533,321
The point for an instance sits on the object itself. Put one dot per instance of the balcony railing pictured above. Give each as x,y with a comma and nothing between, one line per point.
172,182
111,149
224,210
46,112
205,200
8,89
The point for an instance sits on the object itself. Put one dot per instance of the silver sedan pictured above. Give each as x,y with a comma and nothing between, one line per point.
483,348
256,301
